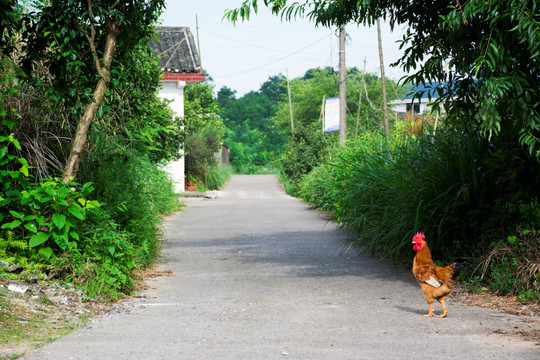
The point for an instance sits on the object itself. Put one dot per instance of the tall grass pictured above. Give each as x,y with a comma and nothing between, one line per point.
457,188
217,175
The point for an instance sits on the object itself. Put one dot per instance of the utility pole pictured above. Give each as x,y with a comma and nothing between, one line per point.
360,97
290,101
383,79
198,44
342,88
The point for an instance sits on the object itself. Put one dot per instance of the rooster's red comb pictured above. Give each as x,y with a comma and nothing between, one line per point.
418,236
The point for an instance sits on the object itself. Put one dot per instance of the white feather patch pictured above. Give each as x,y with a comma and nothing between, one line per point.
434,282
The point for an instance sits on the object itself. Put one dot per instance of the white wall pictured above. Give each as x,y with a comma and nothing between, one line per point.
400,106
174,91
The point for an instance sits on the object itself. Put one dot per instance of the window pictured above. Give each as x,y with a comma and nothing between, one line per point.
415,108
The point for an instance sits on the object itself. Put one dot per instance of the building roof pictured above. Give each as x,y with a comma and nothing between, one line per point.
425,90
177,50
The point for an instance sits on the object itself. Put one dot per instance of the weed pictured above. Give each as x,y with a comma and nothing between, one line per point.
512,265
216,176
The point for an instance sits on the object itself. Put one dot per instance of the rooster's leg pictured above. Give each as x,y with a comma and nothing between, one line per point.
430,314
445,312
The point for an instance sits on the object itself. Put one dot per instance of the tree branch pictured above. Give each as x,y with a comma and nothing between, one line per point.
91,39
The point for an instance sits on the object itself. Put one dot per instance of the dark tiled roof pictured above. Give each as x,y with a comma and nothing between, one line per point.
177,50
426,90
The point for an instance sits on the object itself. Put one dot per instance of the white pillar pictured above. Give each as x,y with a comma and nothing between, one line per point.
174,91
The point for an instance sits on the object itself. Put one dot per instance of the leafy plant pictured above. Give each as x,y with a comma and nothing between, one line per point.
93,235
254,141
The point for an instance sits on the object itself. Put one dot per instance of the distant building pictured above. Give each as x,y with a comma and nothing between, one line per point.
179,61
413,105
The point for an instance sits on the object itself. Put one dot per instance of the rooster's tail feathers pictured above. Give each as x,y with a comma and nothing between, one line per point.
457,269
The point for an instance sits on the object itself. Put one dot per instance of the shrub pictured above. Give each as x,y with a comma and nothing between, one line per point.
201,147
136,193
306,149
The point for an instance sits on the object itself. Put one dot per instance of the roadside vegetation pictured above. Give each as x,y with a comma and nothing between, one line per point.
97,230
204,130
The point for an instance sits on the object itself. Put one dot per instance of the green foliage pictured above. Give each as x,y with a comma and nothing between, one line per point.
93,235
9,23
64,44
97,248
200,108
135,192
49,215
104,265
134,117
307,148
201,147
254,141
259,123
204,131
308,92
486,53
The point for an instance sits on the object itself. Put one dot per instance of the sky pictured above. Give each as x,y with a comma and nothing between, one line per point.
245,55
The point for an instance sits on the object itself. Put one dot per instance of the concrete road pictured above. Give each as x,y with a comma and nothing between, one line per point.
257,275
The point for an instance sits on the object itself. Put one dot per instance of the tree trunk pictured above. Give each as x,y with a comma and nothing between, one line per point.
81,135
360,98
290,101
342,88
383,80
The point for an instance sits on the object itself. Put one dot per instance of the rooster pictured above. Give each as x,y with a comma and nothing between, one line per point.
436,282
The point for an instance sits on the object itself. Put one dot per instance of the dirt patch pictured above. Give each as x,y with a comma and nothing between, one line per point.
504,304
529,311
32,315
190,185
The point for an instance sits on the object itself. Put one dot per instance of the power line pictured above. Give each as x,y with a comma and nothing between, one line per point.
242,42
272,62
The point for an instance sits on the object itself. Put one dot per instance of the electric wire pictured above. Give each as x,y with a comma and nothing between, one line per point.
241,42
272,62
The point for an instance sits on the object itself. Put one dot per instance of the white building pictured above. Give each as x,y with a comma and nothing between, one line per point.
412,103
180,64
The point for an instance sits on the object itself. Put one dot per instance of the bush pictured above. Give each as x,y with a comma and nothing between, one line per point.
306,149
201,147
136,193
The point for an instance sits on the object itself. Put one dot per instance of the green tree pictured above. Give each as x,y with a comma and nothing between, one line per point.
201,109
485,52
204,129
317,84
255,144
79,49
